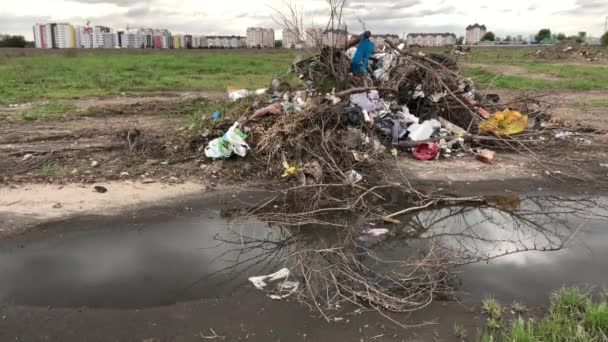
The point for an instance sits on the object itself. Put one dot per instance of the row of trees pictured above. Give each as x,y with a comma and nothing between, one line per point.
544,34
8,41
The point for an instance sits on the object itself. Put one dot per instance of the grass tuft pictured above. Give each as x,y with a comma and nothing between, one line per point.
50,168
460,332
519,308
492,308
572,316
51,110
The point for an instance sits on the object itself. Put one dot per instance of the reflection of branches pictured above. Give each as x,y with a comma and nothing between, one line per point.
485,232
414,265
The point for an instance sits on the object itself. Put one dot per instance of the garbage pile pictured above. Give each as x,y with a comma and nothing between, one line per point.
334,140
336,127
569,49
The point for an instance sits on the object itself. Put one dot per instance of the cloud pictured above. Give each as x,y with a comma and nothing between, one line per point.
137,12
21,25
114,2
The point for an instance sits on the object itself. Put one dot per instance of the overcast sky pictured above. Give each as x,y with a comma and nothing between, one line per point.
381,16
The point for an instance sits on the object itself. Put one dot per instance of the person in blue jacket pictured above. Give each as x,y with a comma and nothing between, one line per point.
365,49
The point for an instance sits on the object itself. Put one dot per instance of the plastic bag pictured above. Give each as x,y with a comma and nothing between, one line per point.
233,141
237,138
506,122
239,94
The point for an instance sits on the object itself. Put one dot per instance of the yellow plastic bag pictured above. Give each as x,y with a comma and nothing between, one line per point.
289,171
506,122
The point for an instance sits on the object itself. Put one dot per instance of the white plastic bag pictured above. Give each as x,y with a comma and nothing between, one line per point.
229,143
239,146
239,94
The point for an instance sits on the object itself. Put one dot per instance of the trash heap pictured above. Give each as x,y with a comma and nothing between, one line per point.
569,49
336,127
334,139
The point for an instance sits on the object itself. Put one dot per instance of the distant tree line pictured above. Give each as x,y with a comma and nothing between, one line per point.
8,41
546,34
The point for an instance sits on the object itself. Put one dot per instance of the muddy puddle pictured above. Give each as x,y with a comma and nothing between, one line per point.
528,247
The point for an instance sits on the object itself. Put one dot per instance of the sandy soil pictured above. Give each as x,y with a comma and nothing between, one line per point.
21,206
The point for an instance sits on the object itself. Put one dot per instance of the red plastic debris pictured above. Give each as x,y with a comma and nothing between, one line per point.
426,151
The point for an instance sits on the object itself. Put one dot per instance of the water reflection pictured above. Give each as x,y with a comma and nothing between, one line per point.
536,244
529,246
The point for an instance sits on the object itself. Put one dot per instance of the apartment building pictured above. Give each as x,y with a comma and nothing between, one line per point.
335,38
224,42
129,40
260,37
431,39
98,35
54,36
474,33
177,41
110,40
380,39
43,36
291,39
64,36
313,37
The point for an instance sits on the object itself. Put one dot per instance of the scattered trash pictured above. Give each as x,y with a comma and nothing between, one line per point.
101,189
423,131
354,177
365,102
376,232
233,141
148,181
426,151
261,91
57,206
238,94
603,165
27,157
360,156
274,109
215,116
124,174
486,156
94,163
507,122
283,289
563,134
289,171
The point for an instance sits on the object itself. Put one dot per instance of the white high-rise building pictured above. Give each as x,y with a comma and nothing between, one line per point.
98,36
260,37
475,33
291,39
43,36
314,38
54,36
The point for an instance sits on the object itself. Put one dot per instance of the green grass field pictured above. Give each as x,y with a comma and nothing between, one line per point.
79,74
571,316
29,74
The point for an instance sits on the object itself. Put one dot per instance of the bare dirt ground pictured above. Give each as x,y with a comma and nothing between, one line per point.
129,142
